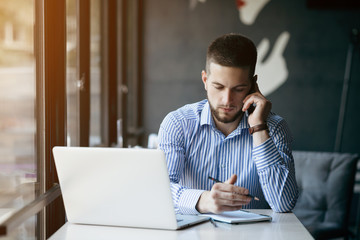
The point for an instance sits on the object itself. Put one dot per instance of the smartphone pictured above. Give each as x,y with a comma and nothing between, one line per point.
252,107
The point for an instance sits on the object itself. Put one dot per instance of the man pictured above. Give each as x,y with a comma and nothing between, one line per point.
232,136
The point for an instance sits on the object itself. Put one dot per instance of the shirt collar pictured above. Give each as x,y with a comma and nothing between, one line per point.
206,119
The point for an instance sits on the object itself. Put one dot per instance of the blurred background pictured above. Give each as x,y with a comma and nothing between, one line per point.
177,33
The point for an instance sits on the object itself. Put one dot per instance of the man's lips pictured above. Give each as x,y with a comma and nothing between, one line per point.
227,109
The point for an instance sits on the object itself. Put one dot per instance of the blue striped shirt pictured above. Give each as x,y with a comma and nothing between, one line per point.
196,149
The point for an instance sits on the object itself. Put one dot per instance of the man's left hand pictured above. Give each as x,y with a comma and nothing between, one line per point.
262,107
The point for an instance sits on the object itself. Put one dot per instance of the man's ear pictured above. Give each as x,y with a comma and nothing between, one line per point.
204,78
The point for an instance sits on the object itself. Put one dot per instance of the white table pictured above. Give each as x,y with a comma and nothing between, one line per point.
283,226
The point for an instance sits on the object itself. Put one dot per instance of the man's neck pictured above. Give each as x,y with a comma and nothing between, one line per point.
227,128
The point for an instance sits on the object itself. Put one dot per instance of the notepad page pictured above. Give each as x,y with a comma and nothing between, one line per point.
238,217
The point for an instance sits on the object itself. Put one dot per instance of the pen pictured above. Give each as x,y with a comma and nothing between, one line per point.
218,181
213,222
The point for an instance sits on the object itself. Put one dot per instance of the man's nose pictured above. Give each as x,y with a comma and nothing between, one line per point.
227,96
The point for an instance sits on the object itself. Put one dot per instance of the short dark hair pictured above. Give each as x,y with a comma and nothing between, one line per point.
232,50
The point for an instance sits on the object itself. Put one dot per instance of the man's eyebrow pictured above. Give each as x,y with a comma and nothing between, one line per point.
217,83
241,86
237,86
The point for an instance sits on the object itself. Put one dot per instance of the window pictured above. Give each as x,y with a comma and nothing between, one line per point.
73,84
65,79
18,166
95,72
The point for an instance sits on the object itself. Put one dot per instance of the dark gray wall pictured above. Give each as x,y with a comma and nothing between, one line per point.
175,43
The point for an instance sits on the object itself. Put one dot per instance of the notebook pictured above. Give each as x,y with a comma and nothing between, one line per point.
240,216
118,187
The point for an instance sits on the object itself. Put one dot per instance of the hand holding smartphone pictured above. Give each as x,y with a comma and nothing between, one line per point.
256,105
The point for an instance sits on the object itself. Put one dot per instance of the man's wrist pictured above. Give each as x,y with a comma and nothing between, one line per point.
199,205
258,127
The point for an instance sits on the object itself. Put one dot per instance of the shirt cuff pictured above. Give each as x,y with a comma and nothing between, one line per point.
266,155
188,200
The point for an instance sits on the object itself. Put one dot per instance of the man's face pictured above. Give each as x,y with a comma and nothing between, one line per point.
226,89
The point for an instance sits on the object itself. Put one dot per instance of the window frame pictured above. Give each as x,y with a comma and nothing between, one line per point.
50,54
51,97
84,70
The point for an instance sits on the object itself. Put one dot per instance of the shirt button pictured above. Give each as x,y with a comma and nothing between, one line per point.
223,165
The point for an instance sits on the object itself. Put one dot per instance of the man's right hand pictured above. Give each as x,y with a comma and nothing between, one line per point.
223,197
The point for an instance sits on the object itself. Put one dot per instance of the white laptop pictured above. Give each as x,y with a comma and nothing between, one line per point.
118,187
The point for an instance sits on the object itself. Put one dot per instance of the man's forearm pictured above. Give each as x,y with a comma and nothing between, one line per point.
280,190
277,176
260,137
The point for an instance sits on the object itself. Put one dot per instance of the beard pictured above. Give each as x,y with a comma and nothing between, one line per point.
226,118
